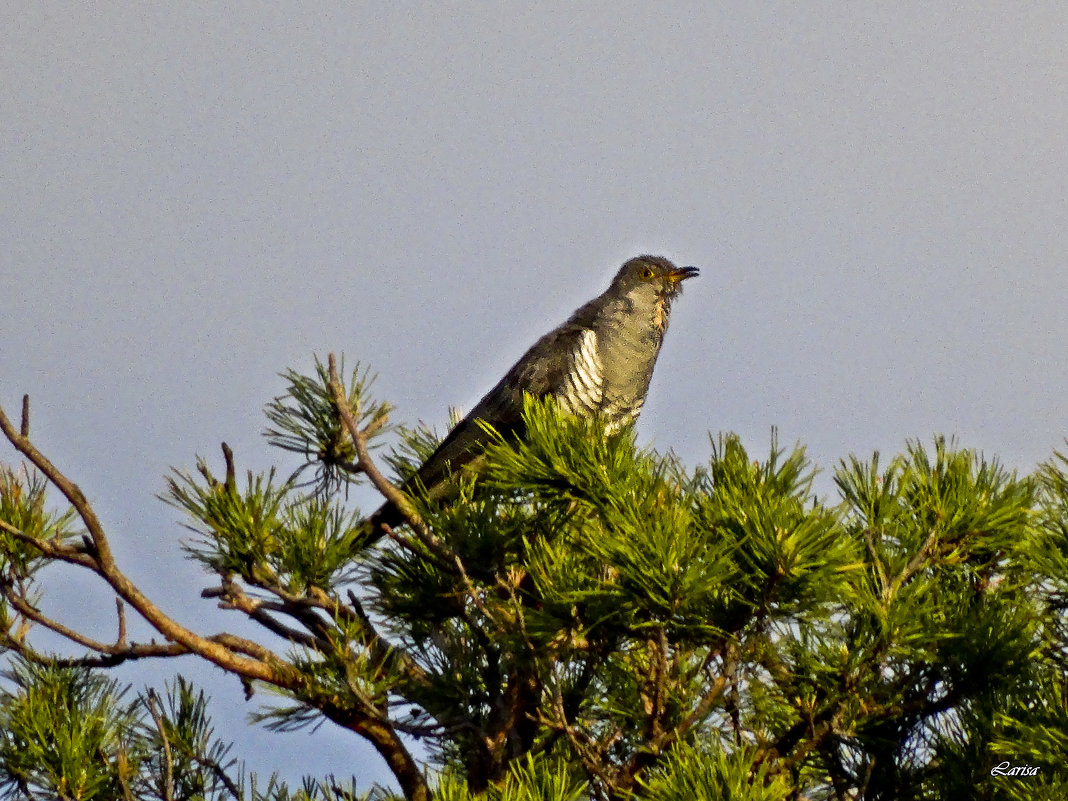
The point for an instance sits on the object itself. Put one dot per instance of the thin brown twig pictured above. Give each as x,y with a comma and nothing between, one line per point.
472,593
233,597
364,462
52,549
30,612
913,566
375,711
580,742
658,681
120,610
381,652
168,759
704,706
426,545
517,605
220,774
111,655
231,471
249,648
69,489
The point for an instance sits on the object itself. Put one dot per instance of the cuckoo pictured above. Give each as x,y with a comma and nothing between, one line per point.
597,363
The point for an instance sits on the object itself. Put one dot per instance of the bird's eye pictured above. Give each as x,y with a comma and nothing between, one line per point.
647,273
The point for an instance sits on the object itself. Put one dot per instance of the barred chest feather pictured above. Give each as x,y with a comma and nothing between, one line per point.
610,378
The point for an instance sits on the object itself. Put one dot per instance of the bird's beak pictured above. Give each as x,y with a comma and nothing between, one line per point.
682,273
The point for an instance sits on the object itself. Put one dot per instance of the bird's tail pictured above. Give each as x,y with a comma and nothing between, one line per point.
387,516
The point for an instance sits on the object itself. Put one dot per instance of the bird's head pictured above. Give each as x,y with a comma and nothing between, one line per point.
651,277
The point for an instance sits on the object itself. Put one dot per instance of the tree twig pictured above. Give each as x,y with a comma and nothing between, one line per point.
364,463
52,549
233,597
168,759
120,611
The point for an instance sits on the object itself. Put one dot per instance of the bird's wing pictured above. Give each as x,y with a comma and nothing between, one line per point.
544,370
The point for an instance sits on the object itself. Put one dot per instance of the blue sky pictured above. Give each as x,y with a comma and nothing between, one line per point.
196,197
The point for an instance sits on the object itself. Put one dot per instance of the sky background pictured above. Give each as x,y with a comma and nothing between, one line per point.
197,196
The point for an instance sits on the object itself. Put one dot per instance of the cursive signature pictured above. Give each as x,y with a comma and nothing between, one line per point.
1004,769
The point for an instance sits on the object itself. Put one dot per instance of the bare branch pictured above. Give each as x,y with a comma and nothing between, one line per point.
52,548
233,597
231,472
249,648
69,489
21,605
115,654
120,609
109,655
248,660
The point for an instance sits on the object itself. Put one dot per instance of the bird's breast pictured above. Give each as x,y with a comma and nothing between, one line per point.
583,386
628,354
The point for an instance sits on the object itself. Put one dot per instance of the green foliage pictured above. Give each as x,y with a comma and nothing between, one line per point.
527,780
267,534
688,774
788,554
1048,555
304,420
848,636
585,619
183,757
22,506
65,733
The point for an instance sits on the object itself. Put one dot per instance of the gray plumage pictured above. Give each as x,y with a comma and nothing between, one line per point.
600,361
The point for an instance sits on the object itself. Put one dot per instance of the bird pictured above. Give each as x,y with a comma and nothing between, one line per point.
598,363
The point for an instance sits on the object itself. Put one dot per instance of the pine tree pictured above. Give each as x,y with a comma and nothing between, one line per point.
586,619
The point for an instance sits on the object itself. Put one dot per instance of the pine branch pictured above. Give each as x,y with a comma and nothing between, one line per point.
107,569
